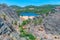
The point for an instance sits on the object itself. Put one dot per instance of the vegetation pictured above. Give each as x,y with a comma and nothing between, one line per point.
18,12
40,20
12,22
37,21
36,9
41,39
29,36
15,23
4,17
26,22
25,34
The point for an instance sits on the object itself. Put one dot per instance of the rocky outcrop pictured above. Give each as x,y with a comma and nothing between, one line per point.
52,23
7,18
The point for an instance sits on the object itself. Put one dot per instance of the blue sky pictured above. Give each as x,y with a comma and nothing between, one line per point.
30,2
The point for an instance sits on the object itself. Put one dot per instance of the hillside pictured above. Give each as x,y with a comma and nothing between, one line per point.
39,28
36,9
43,27
8,17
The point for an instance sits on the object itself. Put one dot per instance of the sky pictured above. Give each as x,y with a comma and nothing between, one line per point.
30,2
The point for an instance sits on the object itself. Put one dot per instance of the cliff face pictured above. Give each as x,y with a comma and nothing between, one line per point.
9,12
7,18
52,23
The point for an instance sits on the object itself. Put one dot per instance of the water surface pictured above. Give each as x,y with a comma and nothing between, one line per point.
28,14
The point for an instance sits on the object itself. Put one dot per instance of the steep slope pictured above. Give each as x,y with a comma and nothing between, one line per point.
7,19
8,11
52,23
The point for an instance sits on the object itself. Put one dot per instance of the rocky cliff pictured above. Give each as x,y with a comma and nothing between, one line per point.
7,19
52,23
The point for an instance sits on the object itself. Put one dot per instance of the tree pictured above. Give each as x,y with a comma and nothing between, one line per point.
40,20
15,23
4,17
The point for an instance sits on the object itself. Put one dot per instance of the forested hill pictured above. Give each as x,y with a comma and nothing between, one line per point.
37,9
